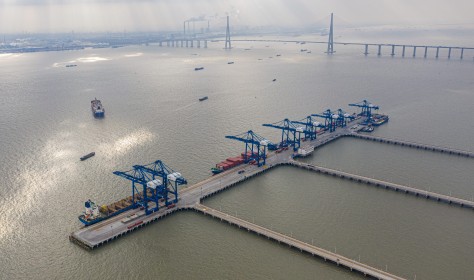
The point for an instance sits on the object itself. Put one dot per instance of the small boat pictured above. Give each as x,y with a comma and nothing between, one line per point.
203,98
367,129
71,65
274,80
97,108
87,156
230,62
215,170
198,68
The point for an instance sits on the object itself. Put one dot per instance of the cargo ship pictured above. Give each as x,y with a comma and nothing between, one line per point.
97,108
94,214
232,162
379,119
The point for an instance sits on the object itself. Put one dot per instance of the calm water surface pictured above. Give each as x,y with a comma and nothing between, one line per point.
150,95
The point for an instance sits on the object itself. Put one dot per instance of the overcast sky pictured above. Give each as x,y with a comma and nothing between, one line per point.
160,15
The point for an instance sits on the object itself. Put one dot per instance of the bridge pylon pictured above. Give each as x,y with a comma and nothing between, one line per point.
331,37
228,45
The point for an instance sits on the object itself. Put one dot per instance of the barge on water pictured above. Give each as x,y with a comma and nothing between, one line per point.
87,156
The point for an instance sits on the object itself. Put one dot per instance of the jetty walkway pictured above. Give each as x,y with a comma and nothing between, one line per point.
337,259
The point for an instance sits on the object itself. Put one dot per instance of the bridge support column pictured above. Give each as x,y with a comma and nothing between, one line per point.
393,50
414,51
462,54
403,51
366,49
426,52
379,53
167,43
437,52
205,43
198,43
181,43
192,46
187,43
449,53
172,43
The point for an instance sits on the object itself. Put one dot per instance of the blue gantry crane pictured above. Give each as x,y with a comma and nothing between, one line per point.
255,146
159,182
290,133
366,108
342,118
329,119
310,127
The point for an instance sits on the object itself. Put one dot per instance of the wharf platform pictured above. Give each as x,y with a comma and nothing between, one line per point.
326,255
190,198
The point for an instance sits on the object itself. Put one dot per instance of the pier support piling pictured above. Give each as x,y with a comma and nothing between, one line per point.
379,53
414,51
393,50
426,52
437,52
403,51
366,49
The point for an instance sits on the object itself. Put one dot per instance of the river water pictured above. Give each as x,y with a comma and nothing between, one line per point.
150,95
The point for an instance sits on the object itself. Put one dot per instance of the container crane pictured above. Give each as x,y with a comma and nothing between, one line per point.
366,107
255,146
342,118
290,133
310,127
329,119
159,182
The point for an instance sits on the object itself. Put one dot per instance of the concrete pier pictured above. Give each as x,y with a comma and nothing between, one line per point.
325,255
385,185
413,145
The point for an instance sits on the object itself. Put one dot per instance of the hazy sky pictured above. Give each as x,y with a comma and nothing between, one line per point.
159,15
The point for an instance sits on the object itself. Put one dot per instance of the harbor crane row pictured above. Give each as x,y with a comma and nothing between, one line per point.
329,119
366,108
310,127
342,118
159,182
290,133
255,146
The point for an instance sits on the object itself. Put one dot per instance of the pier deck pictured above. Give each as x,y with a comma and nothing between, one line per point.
300,245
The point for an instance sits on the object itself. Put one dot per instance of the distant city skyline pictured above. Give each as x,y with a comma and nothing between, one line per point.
53,16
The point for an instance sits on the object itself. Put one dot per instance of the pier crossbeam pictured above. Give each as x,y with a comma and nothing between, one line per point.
295,243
